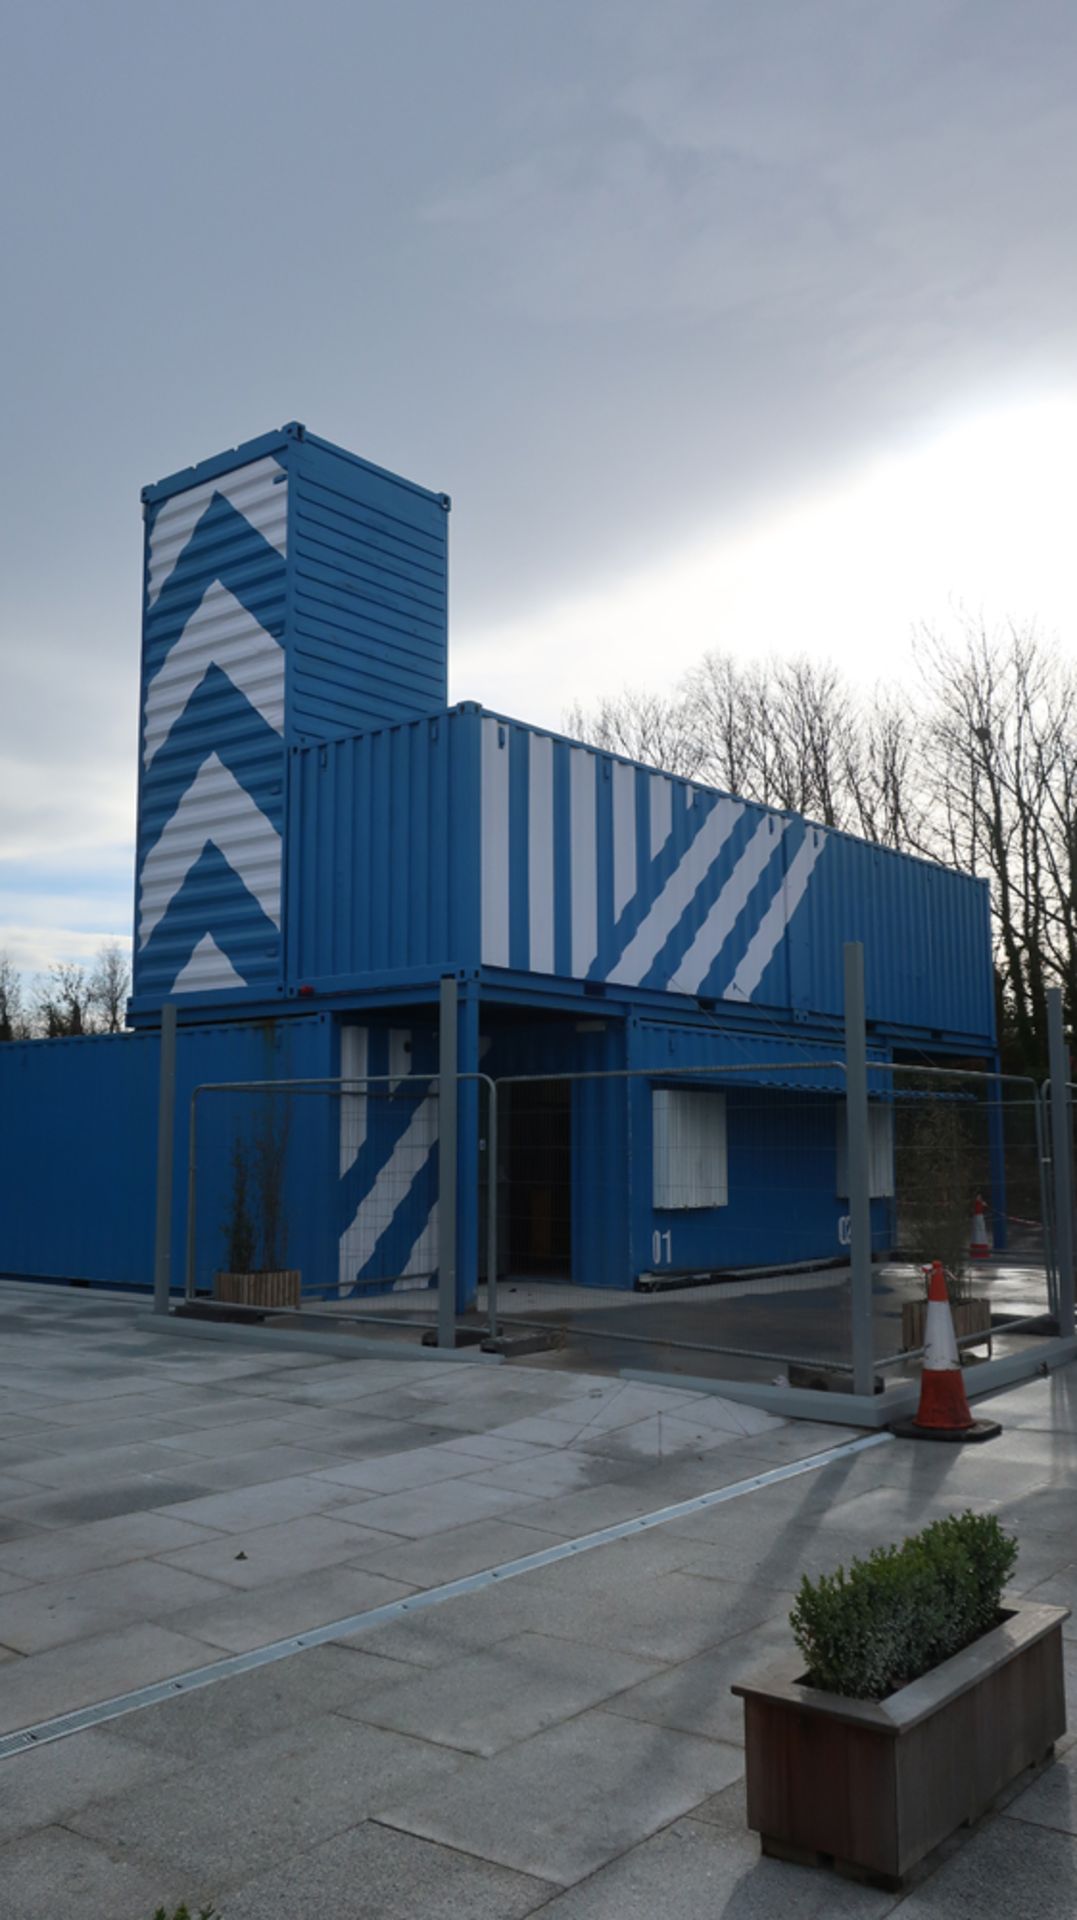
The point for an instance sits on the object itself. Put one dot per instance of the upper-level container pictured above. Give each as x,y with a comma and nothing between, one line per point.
291,593
470,840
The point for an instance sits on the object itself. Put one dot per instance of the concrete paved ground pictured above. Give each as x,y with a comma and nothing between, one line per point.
564,1743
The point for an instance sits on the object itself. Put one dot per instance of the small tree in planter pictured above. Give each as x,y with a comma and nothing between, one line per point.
256,1230
923,1697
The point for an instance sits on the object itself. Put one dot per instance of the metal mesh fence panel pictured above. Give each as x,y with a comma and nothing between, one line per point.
317,1191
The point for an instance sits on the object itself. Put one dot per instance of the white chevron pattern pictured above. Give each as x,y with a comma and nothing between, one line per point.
207,969
252,490
215,808
221,633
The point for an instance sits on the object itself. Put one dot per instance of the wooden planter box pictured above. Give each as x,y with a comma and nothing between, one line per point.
872,1788
970,1316
280,1289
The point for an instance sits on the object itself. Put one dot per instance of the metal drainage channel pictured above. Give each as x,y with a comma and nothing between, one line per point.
227,1669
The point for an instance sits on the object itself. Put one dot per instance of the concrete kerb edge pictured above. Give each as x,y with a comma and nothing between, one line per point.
342,1346
860,1410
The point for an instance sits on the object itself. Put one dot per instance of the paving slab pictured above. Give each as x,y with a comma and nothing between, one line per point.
696,1696
82,1604
53,1873
245,1508
693,1871
227,1822
431,1509
81,1672
565,1802
50,1783
552,1474
400,1472
278,1699
438,1558
1009,1870
103,1543
385,1875
1051,1801
268,1554
254,1618
496,1698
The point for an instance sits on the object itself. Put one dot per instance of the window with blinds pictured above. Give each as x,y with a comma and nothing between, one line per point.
690,1155
880,1152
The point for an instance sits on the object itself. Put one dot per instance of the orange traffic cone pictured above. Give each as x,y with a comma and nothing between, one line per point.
943,1413
979,1239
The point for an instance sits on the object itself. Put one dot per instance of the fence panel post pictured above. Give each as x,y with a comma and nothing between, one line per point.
166,1135
1060,1156
447,1155
856,1114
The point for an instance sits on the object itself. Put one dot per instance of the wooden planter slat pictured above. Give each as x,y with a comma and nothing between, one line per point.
281,1289
875,1787
970,1316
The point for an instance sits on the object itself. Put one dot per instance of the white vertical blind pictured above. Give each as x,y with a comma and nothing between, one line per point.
880,1152
690,1154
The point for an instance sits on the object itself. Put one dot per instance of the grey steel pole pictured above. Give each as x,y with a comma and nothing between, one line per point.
1060,1154
166,1135
856,1133
491,1211
192,1188
448,1096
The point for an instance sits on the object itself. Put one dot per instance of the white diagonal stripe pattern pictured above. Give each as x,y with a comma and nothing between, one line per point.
730,903
256,491
390,1186
653,932
776,919
220,632
214,808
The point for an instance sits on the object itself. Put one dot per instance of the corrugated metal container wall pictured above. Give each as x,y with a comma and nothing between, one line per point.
594,868
383,834
370,595
291,591
79,1123
211,794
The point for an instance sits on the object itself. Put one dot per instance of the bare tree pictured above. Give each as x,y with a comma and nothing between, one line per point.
659,730
109,985
1002,762
13,1024
62,1005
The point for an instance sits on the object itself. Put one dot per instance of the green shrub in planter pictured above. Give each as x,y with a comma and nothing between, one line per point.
904,1609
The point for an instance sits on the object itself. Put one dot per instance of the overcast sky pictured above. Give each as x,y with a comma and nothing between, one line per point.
749,325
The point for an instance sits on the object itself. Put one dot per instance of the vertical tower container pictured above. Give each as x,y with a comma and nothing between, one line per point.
291,593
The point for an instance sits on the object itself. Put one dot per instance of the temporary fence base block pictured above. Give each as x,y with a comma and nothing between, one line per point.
979,1430
463,1337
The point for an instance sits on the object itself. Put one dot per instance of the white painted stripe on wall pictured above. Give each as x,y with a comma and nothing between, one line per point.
256,491
584,852
423,1257
625,872
651,936
776,919
732,900
208,968
495,844
661,812
540,852
399,1055
354,1056
391,1186
215,807
221,633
